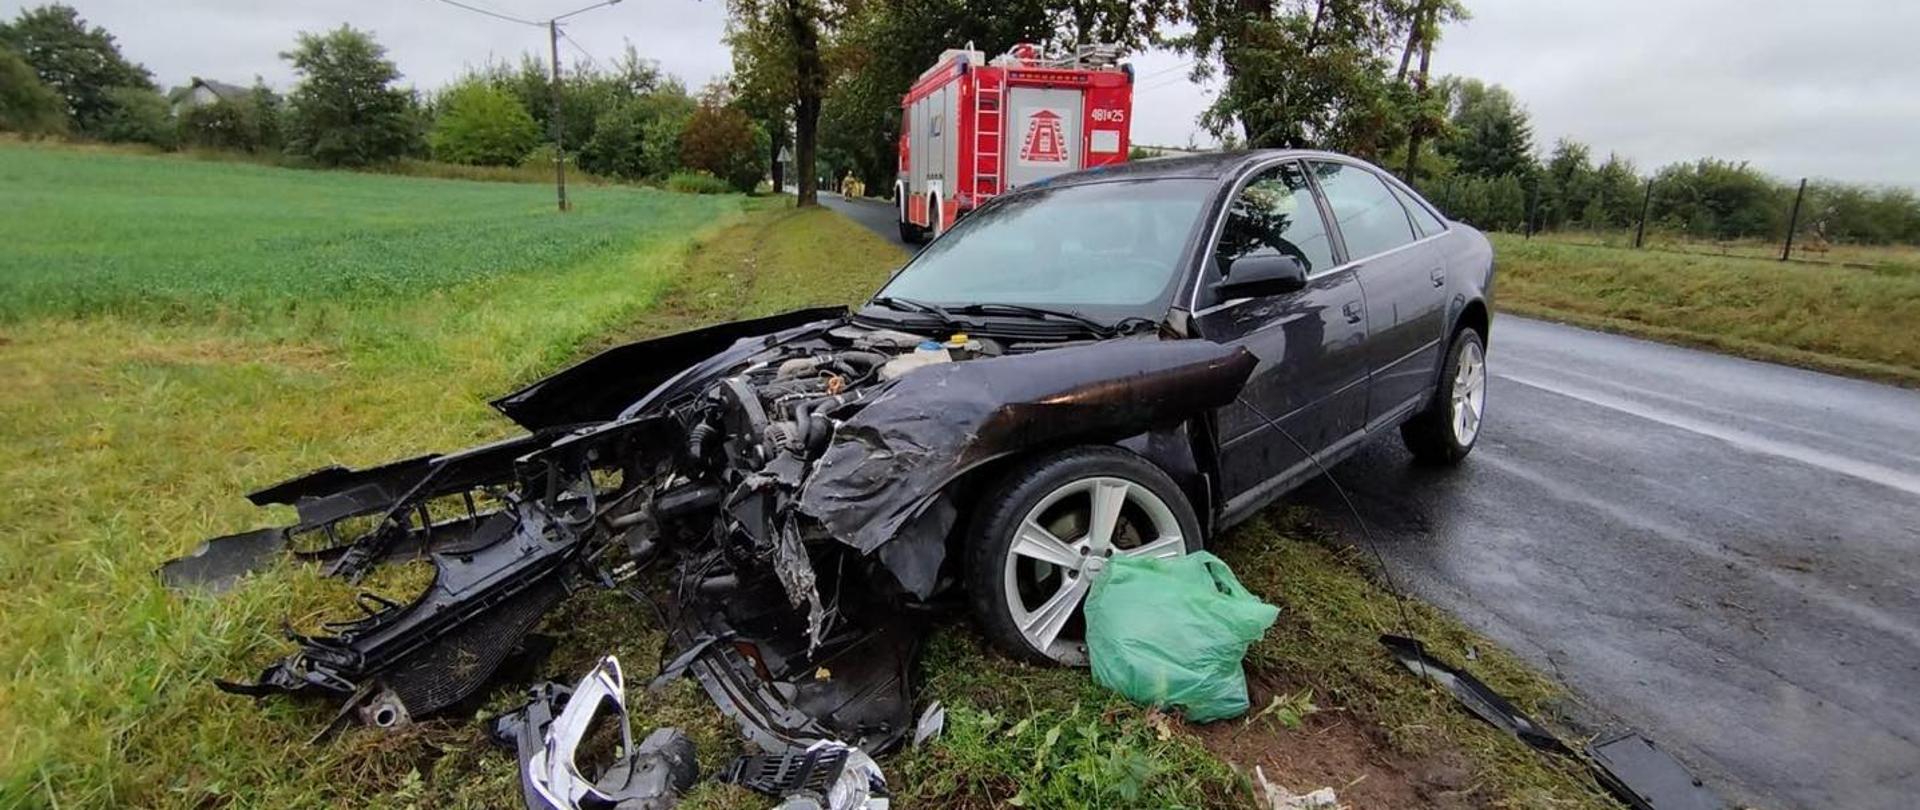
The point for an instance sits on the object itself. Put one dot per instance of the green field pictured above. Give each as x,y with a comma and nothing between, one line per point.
177,333
1858,320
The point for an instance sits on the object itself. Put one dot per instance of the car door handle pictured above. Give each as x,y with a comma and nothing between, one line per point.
1439,276
1354,311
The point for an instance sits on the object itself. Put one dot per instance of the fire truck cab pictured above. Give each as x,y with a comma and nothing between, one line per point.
971,128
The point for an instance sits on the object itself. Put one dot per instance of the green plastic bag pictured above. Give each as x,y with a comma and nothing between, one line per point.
1172,632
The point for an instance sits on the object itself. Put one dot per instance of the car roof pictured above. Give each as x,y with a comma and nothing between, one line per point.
1205,166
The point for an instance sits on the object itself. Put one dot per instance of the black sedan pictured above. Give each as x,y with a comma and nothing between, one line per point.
1123,361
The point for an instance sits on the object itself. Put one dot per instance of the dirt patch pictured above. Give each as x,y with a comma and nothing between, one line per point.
1334,748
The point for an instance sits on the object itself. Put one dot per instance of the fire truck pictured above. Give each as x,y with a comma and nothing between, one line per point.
971,128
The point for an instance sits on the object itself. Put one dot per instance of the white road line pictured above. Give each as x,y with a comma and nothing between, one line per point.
1903,480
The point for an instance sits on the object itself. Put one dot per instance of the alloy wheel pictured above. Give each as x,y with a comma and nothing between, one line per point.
1469,392
1065,541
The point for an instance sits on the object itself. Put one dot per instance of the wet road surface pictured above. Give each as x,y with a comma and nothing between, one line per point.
1722,554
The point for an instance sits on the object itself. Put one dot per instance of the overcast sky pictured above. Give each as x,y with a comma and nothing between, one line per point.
1825,89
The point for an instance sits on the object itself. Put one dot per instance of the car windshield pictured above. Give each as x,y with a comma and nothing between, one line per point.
1107,251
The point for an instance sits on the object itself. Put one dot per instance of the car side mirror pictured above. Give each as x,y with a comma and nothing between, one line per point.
1262,275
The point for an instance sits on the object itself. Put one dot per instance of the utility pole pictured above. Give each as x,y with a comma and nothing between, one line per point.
1793,220
553,49
1640,230
559,137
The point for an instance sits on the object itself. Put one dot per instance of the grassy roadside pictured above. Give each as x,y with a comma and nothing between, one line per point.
1848,320
132,429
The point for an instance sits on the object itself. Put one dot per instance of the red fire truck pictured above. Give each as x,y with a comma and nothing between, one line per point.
971,128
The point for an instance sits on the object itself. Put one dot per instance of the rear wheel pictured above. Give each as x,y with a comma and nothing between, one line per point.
1446,431
1050,527
912,234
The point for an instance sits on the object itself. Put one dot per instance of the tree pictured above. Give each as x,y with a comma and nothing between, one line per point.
1569,184
482,125
777,52
345,111
137,115
1718,199
640,137
269,117
80,63
1617,189
1302,72
1490,134
27,105
722,140
250,124
586,90
1426,114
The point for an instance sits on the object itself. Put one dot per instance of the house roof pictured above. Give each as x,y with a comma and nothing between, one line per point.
220,90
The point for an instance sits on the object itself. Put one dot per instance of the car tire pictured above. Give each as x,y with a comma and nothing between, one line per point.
1016,596
1447,430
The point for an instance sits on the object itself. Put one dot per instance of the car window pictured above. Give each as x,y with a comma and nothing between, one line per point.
1423,219
1103,249
1371,220
1273,214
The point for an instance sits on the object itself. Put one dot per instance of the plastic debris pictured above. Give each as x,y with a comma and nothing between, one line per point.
1275,797
1172,632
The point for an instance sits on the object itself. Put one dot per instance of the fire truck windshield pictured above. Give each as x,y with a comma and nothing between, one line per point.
1103,250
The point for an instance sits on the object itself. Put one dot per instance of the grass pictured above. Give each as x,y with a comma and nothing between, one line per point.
114,234
1807,248
298,323
132,429
1844,319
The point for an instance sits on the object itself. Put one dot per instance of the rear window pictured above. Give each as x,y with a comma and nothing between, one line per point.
1423,219
1371,220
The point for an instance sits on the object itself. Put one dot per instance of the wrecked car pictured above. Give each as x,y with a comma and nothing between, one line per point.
1122,361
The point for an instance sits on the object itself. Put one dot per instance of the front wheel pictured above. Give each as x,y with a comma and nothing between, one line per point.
1040,538
1445,432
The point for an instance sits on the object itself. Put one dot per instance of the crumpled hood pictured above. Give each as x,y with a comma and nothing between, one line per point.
922,431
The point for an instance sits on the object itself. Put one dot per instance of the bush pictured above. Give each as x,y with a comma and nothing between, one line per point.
27,105
249,126
697,183
721,140
137,115
482,125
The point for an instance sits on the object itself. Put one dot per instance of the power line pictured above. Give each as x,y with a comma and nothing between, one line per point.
494,14
578,47
1164,71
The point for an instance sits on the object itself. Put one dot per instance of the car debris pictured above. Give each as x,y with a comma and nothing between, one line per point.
828,775
1477,697
1628,765
1647,778
791,476
652,776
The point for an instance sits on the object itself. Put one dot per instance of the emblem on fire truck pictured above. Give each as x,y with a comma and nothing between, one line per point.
1044,142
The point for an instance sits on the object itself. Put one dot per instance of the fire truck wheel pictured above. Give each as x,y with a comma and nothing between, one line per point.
912,234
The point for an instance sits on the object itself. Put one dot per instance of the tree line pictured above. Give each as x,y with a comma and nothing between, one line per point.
1483,170
1348,75
60,76
826,77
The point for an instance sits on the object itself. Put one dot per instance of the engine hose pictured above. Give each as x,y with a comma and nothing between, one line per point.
698,437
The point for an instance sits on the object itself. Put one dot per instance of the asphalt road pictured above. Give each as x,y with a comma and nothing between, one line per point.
1722,554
